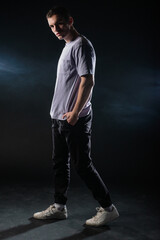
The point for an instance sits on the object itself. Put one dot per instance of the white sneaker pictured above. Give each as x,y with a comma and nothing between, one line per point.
102,217
52,213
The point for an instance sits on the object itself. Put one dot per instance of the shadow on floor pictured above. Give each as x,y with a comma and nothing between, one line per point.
87,231
24,228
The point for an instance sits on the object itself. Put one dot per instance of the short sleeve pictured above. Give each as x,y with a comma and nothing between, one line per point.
85,59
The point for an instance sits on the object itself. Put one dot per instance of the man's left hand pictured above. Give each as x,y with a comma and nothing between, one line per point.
71,118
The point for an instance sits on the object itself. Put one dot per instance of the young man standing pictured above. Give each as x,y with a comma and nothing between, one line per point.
71,114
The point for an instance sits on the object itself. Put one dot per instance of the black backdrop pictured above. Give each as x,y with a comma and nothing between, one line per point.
126,96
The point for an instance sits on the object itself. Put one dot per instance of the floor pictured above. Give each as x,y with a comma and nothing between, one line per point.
138,207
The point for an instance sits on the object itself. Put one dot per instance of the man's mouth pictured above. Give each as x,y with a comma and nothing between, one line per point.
58,34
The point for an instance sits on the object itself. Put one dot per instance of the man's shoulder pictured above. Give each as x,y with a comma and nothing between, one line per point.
82,41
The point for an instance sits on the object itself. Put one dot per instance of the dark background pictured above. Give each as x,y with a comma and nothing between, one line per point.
126,99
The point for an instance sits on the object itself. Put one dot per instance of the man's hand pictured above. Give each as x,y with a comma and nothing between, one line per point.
71,118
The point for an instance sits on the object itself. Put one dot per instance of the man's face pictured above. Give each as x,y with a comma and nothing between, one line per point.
59,26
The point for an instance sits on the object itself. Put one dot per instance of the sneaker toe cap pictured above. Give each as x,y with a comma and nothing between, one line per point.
37,215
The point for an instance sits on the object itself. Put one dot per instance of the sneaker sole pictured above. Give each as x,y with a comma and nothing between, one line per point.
104,224
51,217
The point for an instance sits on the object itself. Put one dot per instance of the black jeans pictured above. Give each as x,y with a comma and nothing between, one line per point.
74,142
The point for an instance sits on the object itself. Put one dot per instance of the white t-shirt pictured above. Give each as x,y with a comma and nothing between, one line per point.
77,59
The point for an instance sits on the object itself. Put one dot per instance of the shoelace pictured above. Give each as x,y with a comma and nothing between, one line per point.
99,210
48,210
51,208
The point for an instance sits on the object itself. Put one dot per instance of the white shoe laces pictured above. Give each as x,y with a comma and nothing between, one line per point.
49,210
99,211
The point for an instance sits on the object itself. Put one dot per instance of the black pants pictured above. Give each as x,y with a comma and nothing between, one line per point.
74,142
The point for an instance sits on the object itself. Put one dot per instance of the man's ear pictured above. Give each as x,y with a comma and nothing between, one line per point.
71,21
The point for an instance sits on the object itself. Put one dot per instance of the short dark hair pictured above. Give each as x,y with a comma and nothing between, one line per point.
60,11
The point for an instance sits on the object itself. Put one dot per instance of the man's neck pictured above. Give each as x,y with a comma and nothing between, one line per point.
71,36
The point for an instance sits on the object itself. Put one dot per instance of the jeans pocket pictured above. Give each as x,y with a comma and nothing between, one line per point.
53,122
67,124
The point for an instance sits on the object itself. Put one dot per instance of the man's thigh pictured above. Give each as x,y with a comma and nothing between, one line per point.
78,138
60,148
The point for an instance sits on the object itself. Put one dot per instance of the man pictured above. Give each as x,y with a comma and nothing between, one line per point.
71,114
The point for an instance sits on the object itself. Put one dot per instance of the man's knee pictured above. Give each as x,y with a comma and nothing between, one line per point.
84,169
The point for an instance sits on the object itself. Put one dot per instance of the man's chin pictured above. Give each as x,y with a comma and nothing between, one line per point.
60,37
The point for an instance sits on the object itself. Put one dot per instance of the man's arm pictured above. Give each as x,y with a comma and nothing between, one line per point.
85,87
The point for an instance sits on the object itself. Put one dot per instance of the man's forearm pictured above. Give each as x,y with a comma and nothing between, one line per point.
85,88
